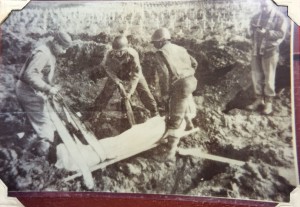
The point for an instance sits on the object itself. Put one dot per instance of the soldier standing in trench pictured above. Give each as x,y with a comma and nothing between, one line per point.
122,64
177,83
267,31
35,85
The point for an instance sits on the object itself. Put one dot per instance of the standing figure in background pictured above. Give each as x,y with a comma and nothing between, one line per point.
35,85
177,83
121,64
267,31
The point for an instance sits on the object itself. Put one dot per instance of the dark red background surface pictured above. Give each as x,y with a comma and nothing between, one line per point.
133,200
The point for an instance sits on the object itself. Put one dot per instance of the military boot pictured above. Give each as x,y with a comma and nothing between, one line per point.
41,148
172,147
189,124
154,114
268,108
259,101
168,146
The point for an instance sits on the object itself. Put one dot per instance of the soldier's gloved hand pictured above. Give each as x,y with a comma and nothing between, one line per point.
53,90
261,30
128,96
165,99
93,76
120,84
122,89
58,96
103,65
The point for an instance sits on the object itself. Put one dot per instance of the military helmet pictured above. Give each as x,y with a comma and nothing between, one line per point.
63,39
119,42
161,34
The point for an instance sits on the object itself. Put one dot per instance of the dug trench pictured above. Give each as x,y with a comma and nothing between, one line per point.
262,143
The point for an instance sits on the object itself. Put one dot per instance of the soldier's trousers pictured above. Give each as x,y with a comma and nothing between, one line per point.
263,74
142,89
180,93
36,110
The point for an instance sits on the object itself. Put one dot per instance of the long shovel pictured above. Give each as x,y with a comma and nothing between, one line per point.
129,112
128,107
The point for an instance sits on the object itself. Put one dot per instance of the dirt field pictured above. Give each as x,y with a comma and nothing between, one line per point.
264,143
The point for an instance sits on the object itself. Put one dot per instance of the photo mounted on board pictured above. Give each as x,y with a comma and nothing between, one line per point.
155,97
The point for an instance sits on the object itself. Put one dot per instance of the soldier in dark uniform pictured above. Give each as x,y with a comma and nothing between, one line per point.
122,64
267,30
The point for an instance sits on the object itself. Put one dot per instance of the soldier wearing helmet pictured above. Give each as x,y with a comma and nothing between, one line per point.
121,64
35,84
177,83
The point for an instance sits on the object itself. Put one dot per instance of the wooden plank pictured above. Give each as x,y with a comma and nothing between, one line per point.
196,152
131,154
71,147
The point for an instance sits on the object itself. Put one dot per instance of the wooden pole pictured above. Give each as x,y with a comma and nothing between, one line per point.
196,152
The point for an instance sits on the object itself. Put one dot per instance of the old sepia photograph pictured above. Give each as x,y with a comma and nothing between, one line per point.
189,98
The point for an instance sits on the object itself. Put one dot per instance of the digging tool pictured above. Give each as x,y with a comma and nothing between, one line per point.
196,152
129,111
127,104
70,144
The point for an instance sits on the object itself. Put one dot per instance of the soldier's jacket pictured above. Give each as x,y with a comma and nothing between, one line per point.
174,63
38,70
127,67
275,25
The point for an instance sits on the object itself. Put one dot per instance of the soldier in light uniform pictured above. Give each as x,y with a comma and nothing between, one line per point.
177,83
35,85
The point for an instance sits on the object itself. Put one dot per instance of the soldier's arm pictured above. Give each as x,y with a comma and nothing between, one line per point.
109,72
112,75
163,73
280,29
194,62
104,60
135,73
251,29
33,73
